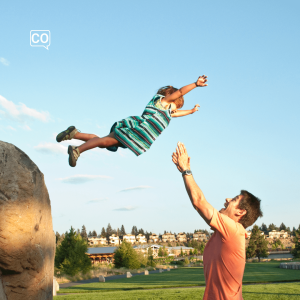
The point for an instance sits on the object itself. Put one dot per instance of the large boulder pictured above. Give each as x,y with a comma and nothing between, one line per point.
27,240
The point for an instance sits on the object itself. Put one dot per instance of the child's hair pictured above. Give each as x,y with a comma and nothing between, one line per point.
168,89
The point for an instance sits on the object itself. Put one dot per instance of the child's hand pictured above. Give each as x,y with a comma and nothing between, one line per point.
195,108
201,81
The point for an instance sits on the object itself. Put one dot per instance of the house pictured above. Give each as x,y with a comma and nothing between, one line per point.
130,238
278,234
97,241
141,239
181,237
114,240
176,251
168,237
154,238
199,236
101,254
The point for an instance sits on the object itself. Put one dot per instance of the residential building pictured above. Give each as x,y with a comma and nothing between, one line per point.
278,234
145,248
141,239
176,251
130,238
181,237
168,237
114,240
199,236
101,254
97,241
154,238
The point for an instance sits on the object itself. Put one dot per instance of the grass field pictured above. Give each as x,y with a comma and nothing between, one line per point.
285,291
184,277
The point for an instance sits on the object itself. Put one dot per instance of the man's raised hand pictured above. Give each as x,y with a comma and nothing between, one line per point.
180,158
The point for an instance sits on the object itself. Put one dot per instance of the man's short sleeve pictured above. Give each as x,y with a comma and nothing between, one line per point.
225,225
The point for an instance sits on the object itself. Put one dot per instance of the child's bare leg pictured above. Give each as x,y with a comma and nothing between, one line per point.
104,142
84,136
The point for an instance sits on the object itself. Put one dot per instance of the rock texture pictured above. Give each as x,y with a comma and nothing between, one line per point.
27,240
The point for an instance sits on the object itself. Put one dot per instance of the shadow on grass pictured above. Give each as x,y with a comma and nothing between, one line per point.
277,294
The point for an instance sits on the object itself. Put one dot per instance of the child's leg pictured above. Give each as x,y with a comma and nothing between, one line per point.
84,136
104,142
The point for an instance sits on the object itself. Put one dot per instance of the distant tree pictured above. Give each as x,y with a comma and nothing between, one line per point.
296,240
282,226
195,251
134,230
147,235
186,261
125,256
90,234
109,231
288,229
83,233
169,244
181,252
276,244
293,233
165,231
150,261
263,227
94,233
165,252
141,231
191,252
103,232
206,232
160,252
272,227
57,237
70,256
122,231
258,246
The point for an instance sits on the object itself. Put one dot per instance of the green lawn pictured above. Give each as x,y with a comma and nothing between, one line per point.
255,272
282,291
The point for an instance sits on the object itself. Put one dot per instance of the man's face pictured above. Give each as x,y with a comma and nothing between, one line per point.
231,207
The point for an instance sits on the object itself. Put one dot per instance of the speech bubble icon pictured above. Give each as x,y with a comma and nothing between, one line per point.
40,38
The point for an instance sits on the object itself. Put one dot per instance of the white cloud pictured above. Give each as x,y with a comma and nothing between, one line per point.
20,112
72,142
51,148
141,187
126,208
4,61
77,179
96,200
11,128
26,127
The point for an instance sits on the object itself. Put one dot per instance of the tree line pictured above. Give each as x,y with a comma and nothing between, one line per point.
266,229
258,245
108,231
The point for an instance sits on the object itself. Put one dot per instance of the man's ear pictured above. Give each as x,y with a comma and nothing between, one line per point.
241,212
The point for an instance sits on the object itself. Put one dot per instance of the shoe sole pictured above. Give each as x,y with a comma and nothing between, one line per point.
72,160
61,135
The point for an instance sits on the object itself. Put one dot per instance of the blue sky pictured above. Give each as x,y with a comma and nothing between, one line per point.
105,62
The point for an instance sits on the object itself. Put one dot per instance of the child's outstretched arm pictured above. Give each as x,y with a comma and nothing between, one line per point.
182,113
184,90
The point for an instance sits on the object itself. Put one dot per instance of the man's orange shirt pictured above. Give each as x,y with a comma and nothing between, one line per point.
224,259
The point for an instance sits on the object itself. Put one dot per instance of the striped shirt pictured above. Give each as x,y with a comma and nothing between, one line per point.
139,132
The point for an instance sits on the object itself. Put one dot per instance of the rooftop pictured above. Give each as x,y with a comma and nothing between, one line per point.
101,250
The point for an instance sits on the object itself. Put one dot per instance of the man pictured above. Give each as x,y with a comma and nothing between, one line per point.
224,254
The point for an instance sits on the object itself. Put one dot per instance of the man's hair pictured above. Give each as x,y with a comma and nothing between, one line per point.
170,89
252,205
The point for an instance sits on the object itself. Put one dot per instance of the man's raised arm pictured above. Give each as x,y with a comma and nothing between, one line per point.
182,161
